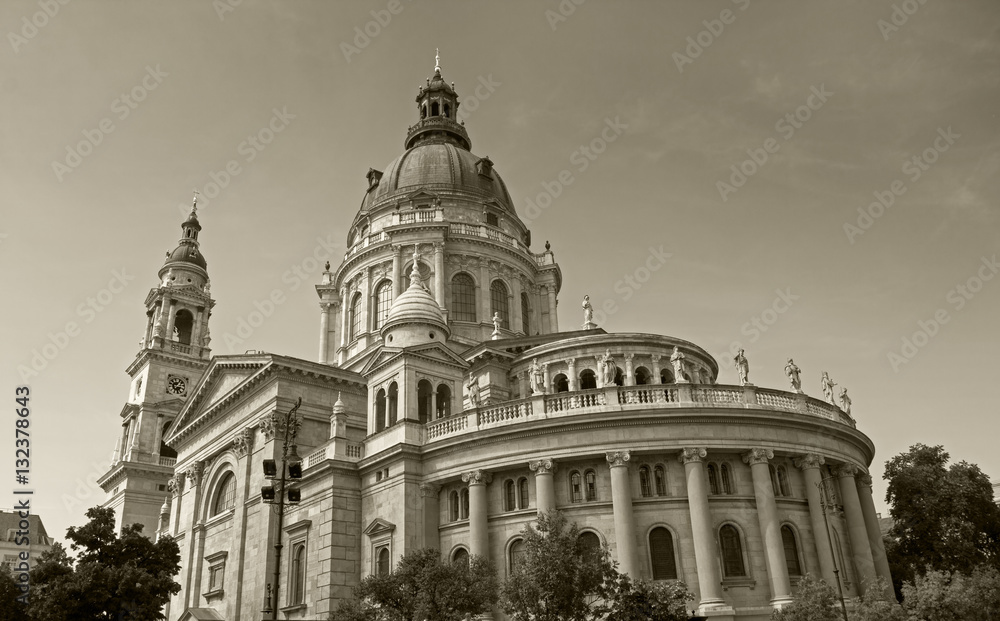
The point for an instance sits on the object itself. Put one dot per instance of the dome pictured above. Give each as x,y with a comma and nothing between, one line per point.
441,166
416,309
187,253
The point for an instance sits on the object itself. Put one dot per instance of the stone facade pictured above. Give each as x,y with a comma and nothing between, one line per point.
419,427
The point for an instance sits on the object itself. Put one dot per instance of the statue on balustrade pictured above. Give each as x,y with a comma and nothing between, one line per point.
473,387
845,402
742,368
827,384
793,372
537,377
608,369
496,326
677,360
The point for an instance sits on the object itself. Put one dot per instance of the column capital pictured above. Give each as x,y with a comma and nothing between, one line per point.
846,470
477,477
617,459
326,306
243,443
439,245
542,466
692,455
628,356
195,472
865,479
758,456
809,460
429,490
175,484
571,362
656,357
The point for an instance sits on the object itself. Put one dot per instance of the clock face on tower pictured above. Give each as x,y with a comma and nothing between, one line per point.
176,385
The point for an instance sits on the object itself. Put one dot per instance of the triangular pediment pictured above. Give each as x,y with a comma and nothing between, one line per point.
222,380
422,196
201,614
431,352
379,526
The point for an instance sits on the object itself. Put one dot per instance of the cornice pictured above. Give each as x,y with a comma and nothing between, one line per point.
183,360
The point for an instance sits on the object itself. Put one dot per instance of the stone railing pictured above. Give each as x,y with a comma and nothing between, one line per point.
481,230
543,259
369,240
169,462
624,398
418,215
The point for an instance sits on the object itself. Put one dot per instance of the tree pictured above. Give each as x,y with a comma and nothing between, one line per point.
944,516
951,596
814,601
11,609
557,577
873,606
124,577
640,600
424,587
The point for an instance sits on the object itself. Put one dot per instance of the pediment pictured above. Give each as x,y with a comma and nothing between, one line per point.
201,614
221,380
422,195
379,526
432,352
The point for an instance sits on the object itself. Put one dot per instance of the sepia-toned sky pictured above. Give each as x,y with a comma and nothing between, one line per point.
823,177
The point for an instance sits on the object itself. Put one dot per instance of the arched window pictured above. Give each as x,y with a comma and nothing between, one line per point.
382,569
642,376
791,551
525,314
383,300
660,478
644,488
183,323
666,377
732,552
166,451
590,480
355,317
498,303
297,578
461,556
435,108
661,553
587,380
561,383
443,400
727,481
391,401
453,506
225,494
463,298
447,111
575,487
522,492
516,553
619,377
423,111
380,410
424,392
713,479
509,495
589,542
465,503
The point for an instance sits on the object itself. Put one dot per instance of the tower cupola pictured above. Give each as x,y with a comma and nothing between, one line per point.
437,107
415,316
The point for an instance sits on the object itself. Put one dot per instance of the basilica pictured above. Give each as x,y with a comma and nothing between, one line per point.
446,408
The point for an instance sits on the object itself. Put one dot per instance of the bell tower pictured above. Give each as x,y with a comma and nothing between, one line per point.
173,353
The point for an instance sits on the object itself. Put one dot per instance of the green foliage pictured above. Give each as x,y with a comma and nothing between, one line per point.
557,579
951,596
640,600
875,605
115,577
944,516
10,608
815,600
424,587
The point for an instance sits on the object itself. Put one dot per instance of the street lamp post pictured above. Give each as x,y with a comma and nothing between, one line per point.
291,470
825,504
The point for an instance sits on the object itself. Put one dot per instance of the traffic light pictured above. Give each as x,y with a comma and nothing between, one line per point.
270,468
294,495
295,470
267,493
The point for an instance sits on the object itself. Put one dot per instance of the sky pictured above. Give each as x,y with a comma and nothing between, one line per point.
801,179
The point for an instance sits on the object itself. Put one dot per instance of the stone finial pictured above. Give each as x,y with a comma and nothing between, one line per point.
691,455
618,458
809,460
477,477
758,456
542,466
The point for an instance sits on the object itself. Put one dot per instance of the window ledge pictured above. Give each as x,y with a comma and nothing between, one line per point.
728,583
293,608
225,515
216,594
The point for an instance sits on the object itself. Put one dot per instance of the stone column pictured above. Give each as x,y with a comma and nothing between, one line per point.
516,319
770,528
522,384
430,494
439,274
706,558
345,311
196,331
175,486
485,316
366,301
546,382
574,382
479,539
871,525
856,529
433,407
656,369
397,271
553,318
809,465
171,317
545,493
621,500
324,330
147,341
158,437
629,370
